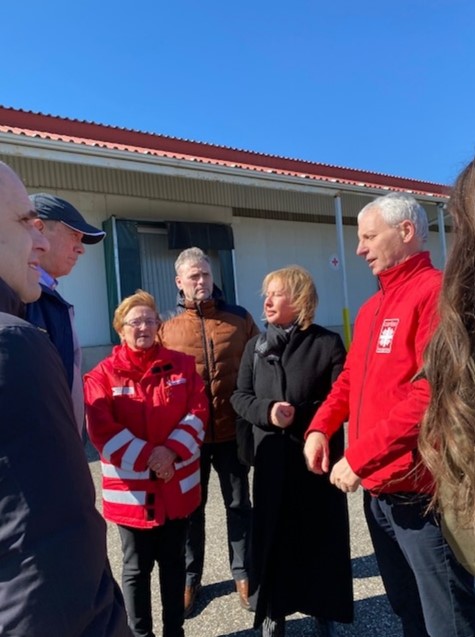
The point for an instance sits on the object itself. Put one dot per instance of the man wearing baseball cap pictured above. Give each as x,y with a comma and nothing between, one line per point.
67,232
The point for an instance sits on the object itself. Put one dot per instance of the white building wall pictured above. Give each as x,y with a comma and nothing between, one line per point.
263,245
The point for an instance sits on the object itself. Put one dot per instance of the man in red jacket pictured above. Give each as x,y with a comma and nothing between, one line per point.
377,390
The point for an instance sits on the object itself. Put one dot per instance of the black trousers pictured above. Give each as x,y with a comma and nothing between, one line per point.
142,548
234,483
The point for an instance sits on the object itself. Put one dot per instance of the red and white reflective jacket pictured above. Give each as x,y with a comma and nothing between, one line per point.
376,388
128,414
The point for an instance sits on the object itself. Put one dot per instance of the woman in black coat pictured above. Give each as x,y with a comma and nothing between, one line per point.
300,554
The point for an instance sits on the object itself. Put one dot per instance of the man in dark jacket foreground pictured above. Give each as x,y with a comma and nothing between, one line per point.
55,580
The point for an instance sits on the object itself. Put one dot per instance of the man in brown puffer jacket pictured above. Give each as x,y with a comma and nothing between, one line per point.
215,333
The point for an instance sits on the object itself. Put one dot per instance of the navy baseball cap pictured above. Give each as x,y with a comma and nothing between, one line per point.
56,209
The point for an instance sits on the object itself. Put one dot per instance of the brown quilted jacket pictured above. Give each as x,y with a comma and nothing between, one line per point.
215,333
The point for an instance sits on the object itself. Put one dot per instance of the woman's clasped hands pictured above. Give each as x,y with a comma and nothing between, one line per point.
161,461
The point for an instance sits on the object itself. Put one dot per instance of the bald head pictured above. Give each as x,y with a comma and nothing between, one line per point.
21,244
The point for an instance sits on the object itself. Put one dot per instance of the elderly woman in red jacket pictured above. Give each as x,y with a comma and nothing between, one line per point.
146,414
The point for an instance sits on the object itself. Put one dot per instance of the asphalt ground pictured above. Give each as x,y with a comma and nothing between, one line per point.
218,613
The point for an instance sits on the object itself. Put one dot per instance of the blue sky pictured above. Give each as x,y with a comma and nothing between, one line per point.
381,85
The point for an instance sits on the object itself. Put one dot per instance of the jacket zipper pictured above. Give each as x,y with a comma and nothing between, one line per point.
365,366
206,351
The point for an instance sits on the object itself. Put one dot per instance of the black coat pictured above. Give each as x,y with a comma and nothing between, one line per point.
300,554
55,579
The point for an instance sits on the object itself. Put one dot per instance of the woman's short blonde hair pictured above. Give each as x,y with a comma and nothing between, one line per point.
134,300
299,285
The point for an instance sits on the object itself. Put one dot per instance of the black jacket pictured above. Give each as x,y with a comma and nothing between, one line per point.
300,558
55,579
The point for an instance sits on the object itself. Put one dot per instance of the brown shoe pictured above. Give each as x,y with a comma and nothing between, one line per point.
191,593
242,587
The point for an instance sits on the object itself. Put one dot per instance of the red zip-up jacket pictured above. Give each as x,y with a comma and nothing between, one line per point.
376,389
128,414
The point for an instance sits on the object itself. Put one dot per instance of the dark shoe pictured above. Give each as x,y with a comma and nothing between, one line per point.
325,628
242,587
191,593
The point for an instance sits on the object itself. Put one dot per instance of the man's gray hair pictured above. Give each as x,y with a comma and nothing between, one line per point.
397,207
190,255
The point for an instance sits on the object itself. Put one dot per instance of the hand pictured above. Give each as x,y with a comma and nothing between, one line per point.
343,477
161,462
316,452
282,414
166,475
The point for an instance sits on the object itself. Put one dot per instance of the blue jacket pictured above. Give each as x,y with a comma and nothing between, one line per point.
51,314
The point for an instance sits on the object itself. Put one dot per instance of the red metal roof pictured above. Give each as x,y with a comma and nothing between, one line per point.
29,124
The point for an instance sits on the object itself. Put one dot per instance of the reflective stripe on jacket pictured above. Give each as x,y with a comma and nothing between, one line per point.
129,413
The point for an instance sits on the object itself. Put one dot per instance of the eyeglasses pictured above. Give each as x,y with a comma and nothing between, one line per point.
138,322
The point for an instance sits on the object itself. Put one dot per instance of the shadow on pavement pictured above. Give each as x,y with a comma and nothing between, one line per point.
373,618
365,567
210,592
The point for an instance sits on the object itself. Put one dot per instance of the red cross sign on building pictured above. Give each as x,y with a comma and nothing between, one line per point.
334,262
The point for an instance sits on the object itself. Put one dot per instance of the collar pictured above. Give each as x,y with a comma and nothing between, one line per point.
215,299
127,359
400,273
47,280
10,302
141,359
199,306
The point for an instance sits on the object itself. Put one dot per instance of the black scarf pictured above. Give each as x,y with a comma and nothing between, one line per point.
276,339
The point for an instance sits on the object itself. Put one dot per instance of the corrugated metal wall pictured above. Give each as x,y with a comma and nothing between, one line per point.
57,175
50,174
158,272
246,200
